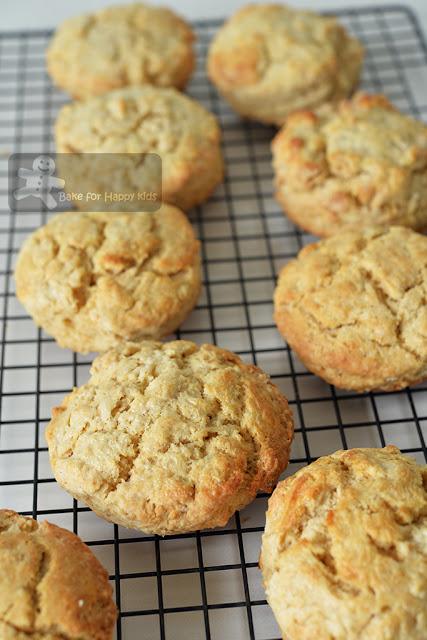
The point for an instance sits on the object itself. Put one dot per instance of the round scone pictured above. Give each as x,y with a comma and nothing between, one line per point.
344,552
170,438
269,60
94,279
359,163
52,587
354,309
119,46
141,120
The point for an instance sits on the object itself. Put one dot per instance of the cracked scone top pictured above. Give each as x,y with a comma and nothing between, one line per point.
52,587
94,279
119,46
169,438
360,163
140,120
269,60
353,307
344,552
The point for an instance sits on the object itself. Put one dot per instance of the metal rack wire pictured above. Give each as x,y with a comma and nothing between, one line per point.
204,585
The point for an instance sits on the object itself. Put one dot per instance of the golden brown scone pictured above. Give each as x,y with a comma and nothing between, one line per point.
170,438
269,60
359,163
51,585
139,120
94,279
344,552
353,307
119,46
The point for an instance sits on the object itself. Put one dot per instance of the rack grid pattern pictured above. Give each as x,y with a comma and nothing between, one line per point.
204,585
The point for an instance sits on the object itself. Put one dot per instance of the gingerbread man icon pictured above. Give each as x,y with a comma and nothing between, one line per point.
40,181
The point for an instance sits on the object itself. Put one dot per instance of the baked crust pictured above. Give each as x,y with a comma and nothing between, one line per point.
344,552
170,438
52,587
119,46
359,163
353,307
269,60
94,279
139,120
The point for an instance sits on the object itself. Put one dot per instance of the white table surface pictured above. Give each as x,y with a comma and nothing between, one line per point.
31,14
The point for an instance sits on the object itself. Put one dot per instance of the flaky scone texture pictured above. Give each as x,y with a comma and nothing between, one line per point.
139,120
119,46
353,307
51,585
269,60
170,438
94,279
344,552
359,163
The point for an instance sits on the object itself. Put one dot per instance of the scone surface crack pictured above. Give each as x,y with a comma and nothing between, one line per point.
354,308
170,437
92,279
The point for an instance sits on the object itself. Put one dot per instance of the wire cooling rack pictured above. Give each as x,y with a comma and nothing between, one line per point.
204,585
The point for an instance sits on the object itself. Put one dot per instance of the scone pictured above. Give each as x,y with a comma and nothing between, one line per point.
269,60
92,280
170,438
52,587
353,307
119,46
140,120
344,552
359,163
